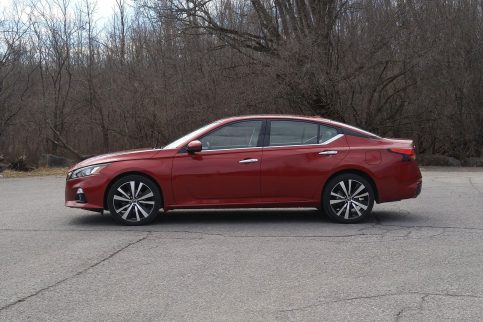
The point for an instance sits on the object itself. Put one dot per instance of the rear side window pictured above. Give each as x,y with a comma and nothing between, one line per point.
293,133
326,133
233,136
284,133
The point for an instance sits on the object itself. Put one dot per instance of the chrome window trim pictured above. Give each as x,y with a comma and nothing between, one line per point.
338,136
254,147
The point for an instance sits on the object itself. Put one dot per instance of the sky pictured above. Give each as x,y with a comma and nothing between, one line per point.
103,13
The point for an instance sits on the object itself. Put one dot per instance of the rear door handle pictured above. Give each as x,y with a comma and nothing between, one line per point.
331,152
248,161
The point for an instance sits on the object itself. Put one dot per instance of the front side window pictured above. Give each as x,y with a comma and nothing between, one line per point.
293,133
188,137
233,136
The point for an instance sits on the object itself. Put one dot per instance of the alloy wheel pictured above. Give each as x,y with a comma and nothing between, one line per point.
133,201
349,199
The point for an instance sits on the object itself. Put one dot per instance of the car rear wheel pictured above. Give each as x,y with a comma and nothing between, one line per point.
348,198
134,200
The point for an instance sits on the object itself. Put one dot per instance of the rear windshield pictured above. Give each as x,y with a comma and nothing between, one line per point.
356,129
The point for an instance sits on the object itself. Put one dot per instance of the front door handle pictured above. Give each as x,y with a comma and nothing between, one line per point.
248,161
331,152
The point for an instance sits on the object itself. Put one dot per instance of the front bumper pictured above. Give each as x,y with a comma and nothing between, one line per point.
93,188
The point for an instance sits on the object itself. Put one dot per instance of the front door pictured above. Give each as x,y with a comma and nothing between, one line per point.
226,171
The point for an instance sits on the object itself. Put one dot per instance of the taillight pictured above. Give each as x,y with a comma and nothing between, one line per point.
408,154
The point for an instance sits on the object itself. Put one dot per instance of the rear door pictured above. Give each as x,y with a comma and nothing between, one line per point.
297,158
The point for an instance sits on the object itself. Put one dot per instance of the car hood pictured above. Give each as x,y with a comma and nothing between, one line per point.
118,156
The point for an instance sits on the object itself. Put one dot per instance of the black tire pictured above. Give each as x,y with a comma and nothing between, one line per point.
134,205
341,205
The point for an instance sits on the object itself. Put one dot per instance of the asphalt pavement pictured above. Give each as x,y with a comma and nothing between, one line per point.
414,260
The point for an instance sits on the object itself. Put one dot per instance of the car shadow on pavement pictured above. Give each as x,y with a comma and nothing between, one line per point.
397,218
214,216
247,216
242,216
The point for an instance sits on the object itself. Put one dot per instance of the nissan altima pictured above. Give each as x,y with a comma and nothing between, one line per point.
250,162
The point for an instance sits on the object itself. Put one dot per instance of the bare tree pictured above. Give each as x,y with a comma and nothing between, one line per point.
54,29
12,84
160,68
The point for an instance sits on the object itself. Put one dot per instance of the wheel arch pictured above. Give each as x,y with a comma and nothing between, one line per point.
130,173
359,172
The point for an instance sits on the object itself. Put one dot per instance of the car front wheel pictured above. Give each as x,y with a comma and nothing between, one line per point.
134,200
348,198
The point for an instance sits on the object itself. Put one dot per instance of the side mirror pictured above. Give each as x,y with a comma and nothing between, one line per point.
194,146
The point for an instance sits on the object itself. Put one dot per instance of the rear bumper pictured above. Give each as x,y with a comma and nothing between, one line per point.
396,191
412,190
404,183
419,187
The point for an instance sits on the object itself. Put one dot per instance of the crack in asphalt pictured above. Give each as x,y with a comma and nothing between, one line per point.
383,231
475,187
267,236
79,273
378,224
432,227
424,296
381,235
400,313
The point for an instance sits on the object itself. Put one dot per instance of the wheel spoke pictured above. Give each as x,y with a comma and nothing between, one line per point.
347,211
343,188
361,187
360,205
336,195
356,207
342,209
147,202
139,189
362,195
133,186
124,194
148,195
116,197
122,208
137,213
336,201
350,187
124,216
145,214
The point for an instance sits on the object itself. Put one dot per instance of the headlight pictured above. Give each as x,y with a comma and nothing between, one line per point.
86,171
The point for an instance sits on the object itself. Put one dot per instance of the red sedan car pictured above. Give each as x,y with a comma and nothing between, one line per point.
251,161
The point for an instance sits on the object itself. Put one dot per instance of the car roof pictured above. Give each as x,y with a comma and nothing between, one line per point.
276,116
300,117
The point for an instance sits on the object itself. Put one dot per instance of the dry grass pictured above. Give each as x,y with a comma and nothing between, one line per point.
35,173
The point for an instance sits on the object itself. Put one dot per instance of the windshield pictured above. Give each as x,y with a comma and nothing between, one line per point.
189,136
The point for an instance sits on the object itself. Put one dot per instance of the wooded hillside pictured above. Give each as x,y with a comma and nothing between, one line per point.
70,85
